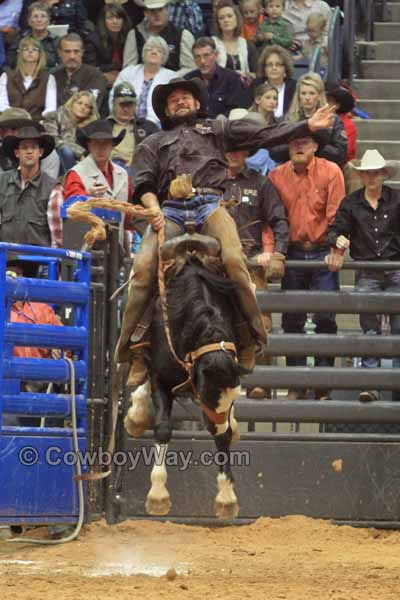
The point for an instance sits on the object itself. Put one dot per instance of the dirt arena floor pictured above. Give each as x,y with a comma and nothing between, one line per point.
293,558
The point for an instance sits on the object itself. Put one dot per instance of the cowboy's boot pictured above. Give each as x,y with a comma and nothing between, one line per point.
139,369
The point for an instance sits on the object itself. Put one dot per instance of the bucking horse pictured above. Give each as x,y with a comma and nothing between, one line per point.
193,347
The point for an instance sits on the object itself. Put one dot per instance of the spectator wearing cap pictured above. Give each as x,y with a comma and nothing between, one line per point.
63,12
74,76
104,46
311,189
145,77
11,120
259,206
78,111
123,116
97,175
225,87
156,23
30,200
368,222
38,21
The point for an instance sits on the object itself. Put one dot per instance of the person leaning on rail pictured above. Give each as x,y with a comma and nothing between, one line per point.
368,222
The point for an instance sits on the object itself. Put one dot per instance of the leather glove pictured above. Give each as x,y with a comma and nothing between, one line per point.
334,260
276,267
181,187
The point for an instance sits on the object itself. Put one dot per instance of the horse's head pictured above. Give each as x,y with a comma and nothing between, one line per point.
215,374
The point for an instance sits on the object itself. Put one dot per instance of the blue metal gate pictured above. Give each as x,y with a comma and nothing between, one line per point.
37,462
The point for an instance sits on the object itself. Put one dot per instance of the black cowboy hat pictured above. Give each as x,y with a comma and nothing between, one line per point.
341,95
195,86
31,132
102,129
29,267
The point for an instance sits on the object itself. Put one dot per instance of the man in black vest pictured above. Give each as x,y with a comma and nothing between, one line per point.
155,23
30,200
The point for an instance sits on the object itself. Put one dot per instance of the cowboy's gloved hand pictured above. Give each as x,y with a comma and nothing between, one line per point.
181,187
276,268
334,260
263,259
158,221
342,242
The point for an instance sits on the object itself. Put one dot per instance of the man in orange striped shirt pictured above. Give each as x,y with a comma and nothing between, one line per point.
312,189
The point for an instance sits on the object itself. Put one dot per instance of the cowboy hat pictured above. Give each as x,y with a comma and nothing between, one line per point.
102,129
28,265
31,132
195,86
372,160
14,118
154,4
342,96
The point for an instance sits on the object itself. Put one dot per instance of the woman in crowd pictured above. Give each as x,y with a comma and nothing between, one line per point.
265,103
38,21
146,76
133,8
63,12
104,47
78,111
308,98
29,86
234,52
275,66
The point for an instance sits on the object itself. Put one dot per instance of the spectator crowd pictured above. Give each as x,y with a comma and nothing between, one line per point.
76,102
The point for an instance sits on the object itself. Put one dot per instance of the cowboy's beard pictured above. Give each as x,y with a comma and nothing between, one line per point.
189,118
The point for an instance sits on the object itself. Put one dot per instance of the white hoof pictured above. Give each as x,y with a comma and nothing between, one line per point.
138,417
226,504
158,506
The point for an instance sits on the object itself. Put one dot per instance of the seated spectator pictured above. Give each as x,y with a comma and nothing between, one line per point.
368,222
38,21
309,97
156,23
11,120
253,16
97,175
311,189
133,8
78,111
225,87
145,77
265,103
259,207
29,86
316,25
275,66
30,200
275,29
234,52
297,13
186,14
9,16
63,12
123,117
104,47
74,76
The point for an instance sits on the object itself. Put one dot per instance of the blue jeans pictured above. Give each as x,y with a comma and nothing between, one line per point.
321,279
67,158
377,281
196,209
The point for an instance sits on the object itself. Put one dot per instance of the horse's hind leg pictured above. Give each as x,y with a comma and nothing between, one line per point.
158,500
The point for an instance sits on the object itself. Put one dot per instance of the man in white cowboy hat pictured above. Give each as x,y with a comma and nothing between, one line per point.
97,175
368,222
30,200
156,23
181,171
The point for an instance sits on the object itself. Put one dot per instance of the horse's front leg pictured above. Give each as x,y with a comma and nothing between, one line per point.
158,502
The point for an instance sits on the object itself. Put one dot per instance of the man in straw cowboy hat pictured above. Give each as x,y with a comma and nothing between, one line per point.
181,171
368,222
30,200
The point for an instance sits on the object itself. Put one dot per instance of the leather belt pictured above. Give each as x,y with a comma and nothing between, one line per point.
309,246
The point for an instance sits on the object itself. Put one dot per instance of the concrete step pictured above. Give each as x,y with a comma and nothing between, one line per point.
379,50
378,129
394,184
390,150
377,88
393,10
380,109
380,69
386,31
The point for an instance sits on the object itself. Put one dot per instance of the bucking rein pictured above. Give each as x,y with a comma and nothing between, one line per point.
81,211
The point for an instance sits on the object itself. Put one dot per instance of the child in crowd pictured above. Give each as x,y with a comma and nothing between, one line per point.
265,104
253,16
316,24
275,29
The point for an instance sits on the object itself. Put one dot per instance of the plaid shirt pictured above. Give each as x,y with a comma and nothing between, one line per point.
187,14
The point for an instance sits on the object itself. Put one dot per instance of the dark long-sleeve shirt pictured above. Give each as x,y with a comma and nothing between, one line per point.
259,207
199,151
374,234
